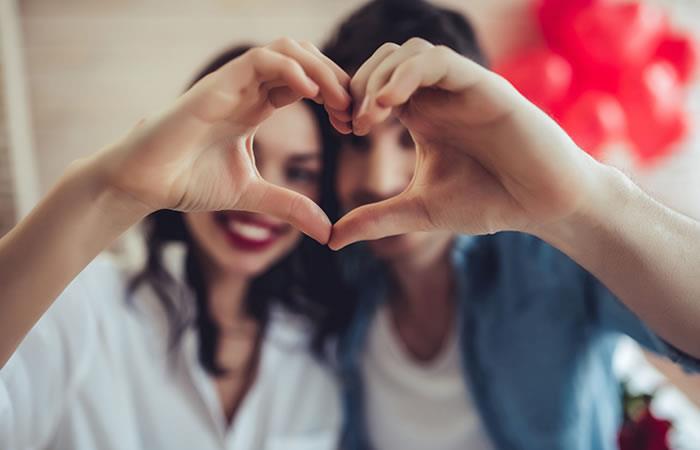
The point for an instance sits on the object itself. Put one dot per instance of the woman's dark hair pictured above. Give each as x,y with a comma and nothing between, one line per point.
353,42
304,281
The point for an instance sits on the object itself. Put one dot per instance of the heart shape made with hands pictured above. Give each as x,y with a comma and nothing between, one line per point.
487,159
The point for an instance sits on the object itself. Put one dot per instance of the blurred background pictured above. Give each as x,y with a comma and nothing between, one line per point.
76,74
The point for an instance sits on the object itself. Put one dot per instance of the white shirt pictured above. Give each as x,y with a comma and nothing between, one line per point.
416,405
94,373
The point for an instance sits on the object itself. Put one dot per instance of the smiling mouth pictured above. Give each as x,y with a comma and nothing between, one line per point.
249,232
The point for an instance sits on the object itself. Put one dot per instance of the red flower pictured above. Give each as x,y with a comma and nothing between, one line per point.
645,433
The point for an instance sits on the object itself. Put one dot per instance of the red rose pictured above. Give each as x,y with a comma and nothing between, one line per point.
646,433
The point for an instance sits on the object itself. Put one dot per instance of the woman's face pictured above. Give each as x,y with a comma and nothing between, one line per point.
287,150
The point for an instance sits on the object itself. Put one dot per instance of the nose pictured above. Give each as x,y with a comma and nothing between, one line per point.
386,173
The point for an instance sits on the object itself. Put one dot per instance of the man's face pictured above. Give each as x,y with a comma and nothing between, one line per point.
376,167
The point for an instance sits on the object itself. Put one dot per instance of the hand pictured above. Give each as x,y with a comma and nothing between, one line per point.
487,159
198,154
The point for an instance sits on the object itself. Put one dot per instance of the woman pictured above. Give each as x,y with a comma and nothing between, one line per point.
206,346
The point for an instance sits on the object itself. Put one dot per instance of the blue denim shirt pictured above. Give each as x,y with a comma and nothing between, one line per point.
538,334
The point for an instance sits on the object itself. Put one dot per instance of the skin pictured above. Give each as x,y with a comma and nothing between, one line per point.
288,154
374,168
488,160
180,159
287,151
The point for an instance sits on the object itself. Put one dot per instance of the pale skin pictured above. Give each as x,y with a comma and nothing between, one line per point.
178,159
487,160
287,152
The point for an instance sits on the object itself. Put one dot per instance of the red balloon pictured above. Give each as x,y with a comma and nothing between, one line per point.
681,51
620,35
594,120
651,96
653,102
540,75
556,19
664,140
609,38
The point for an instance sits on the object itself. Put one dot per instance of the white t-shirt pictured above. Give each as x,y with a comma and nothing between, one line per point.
415,405
94,373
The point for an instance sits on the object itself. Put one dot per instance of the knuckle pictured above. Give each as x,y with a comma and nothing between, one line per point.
256,54
388,46
411,64
283,43
443,52
419,43
307,44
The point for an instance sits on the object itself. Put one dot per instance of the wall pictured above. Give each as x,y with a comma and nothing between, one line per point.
95,68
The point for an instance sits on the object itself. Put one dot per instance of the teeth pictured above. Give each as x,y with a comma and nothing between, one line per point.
250,231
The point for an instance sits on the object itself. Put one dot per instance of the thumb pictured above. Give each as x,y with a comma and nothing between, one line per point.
297,209
397,215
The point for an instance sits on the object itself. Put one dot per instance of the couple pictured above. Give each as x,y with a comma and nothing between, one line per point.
473,327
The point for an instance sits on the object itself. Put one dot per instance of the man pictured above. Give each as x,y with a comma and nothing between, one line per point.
501,340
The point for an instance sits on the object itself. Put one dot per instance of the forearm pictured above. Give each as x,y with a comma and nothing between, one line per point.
38,258
645,253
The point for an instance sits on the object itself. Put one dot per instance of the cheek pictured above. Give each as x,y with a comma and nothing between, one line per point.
408,163
216,248
203,229
344,187
264,261
346,178
411,167
288,242
313,192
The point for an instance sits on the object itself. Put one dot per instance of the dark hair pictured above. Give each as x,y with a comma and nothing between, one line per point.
302,282
381,21
353,42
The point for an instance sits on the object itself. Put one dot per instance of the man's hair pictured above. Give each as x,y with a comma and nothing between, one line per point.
363,31
397,21
356,38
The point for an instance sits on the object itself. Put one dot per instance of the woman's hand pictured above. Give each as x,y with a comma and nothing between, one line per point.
198,154
487,159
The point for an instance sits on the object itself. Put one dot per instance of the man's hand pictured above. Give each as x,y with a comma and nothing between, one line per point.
487,159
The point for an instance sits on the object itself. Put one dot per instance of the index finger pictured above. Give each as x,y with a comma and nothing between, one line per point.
333,92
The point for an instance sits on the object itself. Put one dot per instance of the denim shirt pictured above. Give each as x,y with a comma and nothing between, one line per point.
537,336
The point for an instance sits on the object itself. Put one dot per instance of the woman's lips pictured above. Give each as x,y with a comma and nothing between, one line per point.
248,231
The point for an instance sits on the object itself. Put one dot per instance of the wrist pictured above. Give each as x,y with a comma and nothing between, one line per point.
604,202
115,204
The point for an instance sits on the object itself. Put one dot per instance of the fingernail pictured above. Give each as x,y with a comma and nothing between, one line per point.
347,99
382,101
363,107
359,128
333,246
315,88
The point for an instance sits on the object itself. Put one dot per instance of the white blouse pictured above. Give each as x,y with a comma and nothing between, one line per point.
95,373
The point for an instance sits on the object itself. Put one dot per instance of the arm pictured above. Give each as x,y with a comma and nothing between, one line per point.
197,155
489,161
54,361
44,252
645,253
